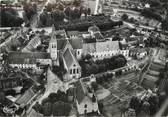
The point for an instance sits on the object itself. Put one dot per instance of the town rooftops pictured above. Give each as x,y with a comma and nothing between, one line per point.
26,58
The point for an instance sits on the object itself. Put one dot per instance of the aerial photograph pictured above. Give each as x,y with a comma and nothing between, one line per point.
83,58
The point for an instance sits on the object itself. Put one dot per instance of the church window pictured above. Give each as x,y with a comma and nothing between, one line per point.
70,71
53,46
77,71
74,71
85,106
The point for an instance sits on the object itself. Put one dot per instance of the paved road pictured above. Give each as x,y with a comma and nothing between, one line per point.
53,85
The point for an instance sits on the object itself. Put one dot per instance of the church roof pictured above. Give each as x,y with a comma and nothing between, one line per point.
69,58
76,43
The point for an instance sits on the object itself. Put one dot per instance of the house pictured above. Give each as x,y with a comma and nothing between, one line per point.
29,60
25,100
85,98
138,53
32,45
72,34
71,65
104,49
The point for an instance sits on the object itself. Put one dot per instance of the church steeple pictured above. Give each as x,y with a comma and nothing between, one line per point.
53,44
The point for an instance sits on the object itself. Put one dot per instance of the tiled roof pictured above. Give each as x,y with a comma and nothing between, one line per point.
76,43
100,46
69,58
29,58
26,97
32,44
80,91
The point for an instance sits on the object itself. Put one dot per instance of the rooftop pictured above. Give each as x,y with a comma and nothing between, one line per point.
29,58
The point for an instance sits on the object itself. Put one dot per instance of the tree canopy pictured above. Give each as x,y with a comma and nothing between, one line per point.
10,18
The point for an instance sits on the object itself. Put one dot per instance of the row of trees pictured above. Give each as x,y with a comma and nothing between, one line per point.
55,104
57,16
151,14
93,67
148,106
29,11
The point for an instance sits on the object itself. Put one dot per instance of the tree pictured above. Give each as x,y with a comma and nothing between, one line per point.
124,17
76,14
53,97
145,109
29,9
43,18
68,12
57,15
47,109
10,18
154,104
135,103
164,24
38,108
61,109
101,107
2,96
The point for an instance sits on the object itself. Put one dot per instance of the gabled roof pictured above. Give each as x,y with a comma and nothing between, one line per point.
69,58
80,91
76,43
26,97
32,44
100,47
29,58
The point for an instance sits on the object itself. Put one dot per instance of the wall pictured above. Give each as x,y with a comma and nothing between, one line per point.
90,106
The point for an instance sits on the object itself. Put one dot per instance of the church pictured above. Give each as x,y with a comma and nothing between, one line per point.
66,51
